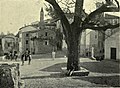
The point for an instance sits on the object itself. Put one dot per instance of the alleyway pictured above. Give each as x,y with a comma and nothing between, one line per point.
46,73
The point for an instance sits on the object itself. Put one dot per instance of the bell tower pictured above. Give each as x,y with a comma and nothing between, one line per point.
42,16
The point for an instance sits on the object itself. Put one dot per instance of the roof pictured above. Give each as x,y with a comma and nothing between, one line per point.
9,36
28,28
17,35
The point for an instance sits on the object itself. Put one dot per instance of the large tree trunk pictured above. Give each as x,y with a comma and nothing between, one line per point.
73,53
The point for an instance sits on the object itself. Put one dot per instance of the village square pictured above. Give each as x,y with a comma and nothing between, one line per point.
61,48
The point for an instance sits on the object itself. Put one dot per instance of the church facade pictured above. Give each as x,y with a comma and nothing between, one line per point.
37,37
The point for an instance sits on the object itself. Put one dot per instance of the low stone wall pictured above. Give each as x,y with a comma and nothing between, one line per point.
9,75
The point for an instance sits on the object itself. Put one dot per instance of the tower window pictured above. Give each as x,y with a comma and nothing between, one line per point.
45,42
46,33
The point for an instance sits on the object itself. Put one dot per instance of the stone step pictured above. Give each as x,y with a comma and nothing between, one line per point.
81,72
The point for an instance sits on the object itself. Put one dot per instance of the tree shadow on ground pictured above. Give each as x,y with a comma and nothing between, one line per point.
98,67
56,75
54,68
104,80
101,67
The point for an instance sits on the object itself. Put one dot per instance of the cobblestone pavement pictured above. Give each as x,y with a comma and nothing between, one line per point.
46,73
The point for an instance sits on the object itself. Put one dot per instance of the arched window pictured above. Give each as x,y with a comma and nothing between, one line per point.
46,43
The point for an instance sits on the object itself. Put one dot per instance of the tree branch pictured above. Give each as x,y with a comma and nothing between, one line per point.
99,28
103,8
73,1
78,12
58,1
117,4
62,16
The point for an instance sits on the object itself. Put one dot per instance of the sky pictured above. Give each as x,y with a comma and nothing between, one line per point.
14,14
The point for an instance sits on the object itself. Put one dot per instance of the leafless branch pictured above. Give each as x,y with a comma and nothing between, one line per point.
104,27
73,1
103,8
117,4
61,15
45,5
58,1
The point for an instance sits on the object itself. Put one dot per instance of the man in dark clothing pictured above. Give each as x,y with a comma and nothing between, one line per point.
28,56
15,55
29,59
11,55
22,58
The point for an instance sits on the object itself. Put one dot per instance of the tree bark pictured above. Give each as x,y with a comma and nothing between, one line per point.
73,53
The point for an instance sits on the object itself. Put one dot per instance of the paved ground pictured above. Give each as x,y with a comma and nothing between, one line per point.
46,73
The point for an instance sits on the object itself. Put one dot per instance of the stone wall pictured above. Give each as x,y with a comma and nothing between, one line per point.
9,75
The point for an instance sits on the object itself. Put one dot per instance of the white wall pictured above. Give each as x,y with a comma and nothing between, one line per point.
20,42
112,42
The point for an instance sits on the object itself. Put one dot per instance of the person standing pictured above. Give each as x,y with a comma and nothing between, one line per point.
29,59
11,55
15,55
28,56
22,58
53,55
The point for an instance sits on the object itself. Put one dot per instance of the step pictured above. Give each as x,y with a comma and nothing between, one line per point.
81,72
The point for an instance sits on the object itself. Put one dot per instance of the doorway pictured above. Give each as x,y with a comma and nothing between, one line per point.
113,53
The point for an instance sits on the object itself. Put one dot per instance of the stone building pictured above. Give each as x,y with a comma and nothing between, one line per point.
9,43
37,37
46,38
96,43
106,43
97,38
25,41
112,39
36,40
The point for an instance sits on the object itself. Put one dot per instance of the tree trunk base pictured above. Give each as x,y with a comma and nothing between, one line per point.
81,72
